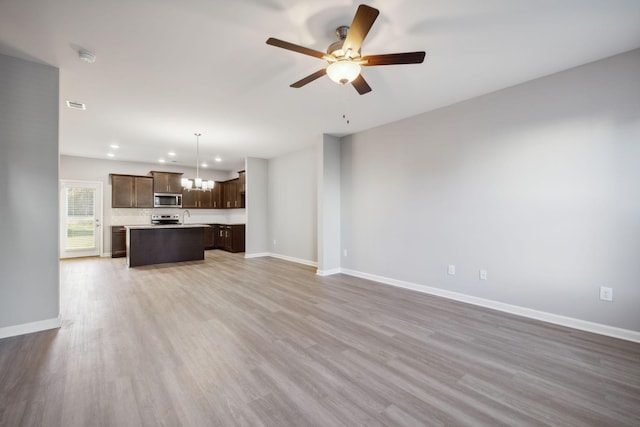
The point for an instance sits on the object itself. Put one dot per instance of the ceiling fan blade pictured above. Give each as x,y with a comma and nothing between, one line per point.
296,48
362,22
394,58
361,85
309,78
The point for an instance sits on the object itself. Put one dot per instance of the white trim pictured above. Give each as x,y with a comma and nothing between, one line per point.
328,272
292,259
584,325
28,328
257,255
286,258
105,254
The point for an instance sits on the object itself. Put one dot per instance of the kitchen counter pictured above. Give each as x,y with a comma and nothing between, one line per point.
154,226
158,244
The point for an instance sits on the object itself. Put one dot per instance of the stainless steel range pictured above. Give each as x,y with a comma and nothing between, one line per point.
165,219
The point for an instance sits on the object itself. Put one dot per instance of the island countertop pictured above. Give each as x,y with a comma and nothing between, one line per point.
153,226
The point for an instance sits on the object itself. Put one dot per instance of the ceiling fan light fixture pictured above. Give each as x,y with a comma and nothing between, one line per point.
344,71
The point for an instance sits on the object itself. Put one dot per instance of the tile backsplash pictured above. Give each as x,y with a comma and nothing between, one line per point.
134,216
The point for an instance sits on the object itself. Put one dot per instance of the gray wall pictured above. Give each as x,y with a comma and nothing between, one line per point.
539,184
257,232
292,188
329,241
29,269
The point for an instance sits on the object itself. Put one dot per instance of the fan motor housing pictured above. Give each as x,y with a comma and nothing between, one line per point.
335,48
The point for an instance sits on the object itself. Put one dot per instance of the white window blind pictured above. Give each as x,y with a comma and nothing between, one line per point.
80,218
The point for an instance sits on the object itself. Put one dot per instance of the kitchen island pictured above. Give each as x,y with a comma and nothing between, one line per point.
158,244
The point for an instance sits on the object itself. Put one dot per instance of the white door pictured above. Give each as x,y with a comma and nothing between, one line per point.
80,218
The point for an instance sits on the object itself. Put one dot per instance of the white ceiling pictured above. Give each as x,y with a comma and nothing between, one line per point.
168,68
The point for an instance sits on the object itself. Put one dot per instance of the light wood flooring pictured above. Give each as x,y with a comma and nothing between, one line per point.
265,342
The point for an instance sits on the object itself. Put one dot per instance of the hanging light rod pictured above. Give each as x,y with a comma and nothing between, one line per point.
197,183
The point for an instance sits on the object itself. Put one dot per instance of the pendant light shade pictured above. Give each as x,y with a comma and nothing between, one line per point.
197,183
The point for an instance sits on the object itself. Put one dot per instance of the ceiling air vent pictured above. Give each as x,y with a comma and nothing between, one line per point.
76,105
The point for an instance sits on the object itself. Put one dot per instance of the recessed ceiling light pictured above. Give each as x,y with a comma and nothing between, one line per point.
218,159
114,146
111,155
204,165
171,153
76,105
161,160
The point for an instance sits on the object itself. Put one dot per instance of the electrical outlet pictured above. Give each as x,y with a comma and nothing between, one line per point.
483,274
344,251
606,294
274,242
451,270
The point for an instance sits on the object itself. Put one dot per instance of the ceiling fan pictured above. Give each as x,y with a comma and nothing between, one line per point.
343,56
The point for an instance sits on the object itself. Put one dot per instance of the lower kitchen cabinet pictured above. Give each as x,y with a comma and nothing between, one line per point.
233,237
209,233
118,241
226,237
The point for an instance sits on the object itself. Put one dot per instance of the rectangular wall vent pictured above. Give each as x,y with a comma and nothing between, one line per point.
76,105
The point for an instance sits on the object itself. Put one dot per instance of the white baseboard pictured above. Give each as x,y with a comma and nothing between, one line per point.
292,259
106,255
329,272
257,255
28,328
570,322
284,257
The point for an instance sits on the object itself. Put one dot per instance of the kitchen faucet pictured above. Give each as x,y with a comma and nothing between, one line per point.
186,211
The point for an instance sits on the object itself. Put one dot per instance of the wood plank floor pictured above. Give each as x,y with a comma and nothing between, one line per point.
265,342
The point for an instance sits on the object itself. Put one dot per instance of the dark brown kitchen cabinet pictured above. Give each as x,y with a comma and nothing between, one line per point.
216,196
228,193
130,191
188,198
243,182
204,199
231,194
226,237
232,237
167,182
199,199
208,237
118,241
216,237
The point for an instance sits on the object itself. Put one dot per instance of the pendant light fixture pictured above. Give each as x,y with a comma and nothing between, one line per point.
198,183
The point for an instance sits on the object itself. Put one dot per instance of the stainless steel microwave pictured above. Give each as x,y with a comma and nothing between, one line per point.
166,200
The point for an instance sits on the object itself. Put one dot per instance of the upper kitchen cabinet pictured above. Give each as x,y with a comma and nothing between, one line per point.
197,199
205,199
188,199
230,193
232,197
242,176
130,191
167,182
216,196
